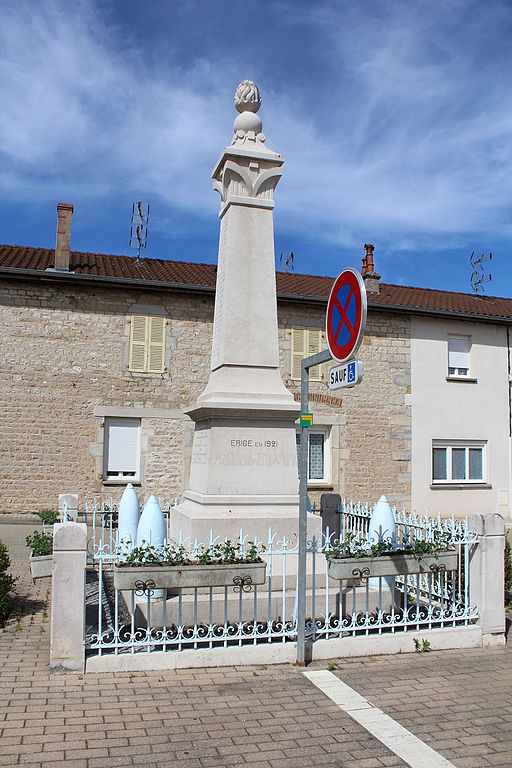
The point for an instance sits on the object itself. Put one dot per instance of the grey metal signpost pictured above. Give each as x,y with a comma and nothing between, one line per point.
306,364
346,312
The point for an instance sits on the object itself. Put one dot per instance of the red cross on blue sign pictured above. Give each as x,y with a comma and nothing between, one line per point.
346,315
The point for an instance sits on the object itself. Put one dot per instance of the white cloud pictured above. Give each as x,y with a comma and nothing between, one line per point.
401,134
82,115
422,114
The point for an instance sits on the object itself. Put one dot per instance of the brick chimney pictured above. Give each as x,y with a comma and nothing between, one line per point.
370,276
63,242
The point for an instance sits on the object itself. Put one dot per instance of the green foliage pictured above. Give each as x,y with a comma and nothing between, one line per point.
40,542
508,565
331,666
147,554
48,516
7,582
353,547
441,540
227,553
217,554
4,557
350,546
423,647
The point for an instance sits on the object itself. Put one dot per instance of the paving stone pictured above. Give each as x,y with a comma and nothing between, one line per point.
459,702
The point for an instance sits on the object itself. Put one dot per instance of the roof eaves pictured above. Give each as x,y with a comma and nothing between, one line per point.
154,285
73,277
433,312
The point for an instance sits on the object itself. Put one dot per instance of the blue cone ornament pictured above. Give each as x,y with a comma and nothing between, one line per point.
382,528
129,514
152,527
382,523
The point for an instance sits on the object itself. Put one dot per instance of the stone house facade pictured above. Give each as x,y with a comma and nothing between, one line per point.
67,378
65,374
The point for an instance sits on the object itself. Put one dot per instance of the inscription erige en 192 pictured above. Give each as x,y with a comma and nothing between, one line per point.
254,443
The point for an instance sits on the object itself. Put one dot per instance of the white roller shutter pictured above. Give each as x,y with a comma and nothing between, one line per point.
122,447
458,351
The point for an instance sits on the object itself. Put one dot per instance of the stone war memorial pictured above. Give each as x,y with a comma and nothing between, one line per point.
234,574
244,458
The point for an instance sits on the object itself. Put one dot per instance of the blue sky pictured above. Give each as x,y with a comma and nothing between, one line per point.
394,118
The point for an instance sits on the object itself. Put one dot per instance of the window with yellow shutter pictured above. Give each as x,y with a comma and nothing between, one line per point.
147,344
305,342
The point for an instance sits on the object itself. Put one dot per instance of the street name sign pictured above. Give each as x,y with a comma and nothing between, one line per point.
346,315
345,375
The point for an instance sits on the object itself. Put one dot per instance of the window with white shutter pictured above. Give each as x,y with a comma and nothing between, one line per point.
121,450
305,342
458,462
458,355
147,344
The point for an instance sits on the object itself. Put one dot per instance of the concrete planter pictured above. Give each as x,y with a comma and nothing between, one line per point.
398,564
240,575
41,567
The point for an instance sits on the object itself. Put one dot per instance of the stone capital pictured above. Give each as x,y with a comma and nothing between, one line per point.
247,178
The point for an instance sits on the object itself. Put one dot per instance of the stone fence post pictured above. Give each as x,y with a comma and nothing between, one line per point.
486,573
67,634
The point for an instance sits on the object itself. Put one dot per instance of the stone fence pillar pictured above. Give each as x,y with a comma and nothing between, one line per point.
67,651
486,573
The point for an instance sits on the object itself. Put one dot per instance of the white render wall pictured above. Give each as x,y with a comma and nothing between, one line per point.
459,410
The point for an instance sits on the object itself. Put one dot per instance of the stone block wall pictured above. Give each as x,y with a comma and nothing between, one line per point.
63,360
64,367
371,426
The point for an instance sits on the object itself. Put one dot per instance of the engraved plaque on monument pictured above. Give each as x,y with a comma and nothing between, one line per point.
244,461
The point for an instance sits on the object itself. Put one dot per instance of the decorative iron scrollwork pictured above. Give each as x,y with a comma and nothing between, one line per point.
144,587
361,573
242,583
438,569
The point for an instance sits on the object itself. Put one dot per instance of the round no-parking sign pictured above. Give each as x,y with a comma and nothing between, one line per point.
346,315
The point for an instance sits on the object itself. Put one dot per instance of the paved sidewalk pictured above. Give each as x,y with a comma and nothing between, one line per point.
260,717
256,717
458,702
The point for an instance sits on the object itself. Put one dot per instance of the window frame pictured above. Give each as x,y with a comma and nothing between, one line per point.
325,432
456,370
123,478
449,445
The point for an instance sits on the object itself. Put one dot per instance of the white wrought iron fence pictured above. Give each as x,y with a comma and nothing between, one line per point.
141,621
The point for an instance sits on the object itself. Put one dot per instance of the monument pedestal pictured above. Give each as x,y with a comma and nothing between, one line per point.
243,473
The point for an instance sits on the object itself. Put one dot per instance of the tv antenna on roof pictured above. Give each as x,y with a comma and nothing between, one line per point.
139,226
478,278
287,259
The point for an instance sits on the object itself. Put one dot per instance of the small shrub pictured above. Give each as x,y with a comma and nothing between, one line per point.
48,516
6,584
331,666
41,543
508,565
423,646
225,553
352,546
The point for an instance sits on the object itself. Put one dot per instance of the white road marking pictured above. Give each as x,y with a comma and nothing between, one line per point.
398,739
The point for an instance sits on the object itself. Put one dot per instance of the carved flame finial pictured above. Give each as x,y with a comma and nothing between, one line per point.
247,125
247,97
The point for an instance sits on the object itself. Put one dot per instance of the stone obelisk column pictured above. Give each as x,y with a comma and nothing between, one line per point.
244,460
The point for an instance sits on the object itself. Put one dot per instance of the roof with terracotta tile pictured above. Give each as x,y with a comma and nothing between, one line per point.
16,259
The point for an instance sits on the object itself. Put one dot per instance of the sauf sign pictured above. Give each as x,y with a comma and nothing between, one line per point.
346,375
